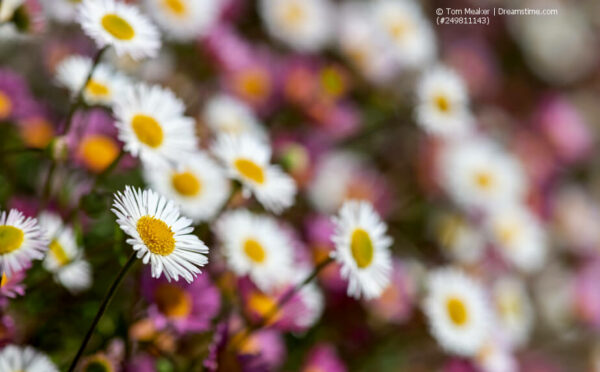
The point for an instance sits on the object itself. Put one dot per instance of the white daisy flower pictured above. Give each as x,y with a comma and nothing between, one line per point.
363,249
442,107
519,236
458,311
247,159
197,184
514,310
105,86
225,114
24,359
184,19
408,34
255,245
120,25
478,174
305,25
21,241
65,258
459,239
159,235
152,124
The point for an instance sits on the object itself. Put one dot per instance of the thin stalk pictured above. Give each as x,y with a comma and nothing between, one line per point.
102,309
281,302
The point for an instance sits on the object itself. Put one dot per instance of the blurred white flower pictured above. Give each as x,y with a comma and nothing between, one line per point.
225,114
65,258
459,239
8,8
184,19
196,183
120,25
247,159
362,248
305,25
105,86
159,235
458,311
255,245
26,359
514,310
442,107
152,124
63,11
519,236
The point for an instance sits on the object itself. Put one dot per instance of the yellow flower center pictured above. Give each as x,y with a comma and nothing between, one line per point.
362,248
98,152
457,311
509,305
484,180
254,251
5,105
176,7
97,89
37,132
11,238
3,280
186,183
399,28
507,232
294,14
147,130
173,301
118,27
254,83
262,305
58,252
156,235
250,170
442,103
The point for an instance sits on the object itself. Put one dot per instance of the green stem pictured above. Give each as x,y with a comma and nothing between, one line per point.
281,302
103,306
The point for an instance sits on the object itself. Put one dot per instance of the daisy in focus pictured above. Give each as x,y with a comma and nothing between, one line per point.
519,236
120,25
256,246
105,86
407,33
442,107
184,19
65,258
362,248
478,174
153,126
21,241
225,114
197,184
24,359
458,312
247,160
305,25
159,235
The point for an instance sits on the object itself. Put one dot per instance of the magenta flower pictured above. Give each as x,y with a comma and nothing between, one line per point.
15,99
323,357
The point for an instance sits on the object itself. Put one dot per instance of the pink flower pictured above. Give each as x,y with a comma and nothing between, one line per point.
323,357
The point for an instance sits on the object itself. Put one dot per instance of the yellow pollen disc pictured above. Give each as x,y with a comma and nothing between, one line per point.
509,306
97,89
58,252
254,251
250,170
186,183
3,280
118,27
362,248
484,180
457,311
147,130
156,235
98,152
5,105
176,7
173,301
294,14
399,28
254,83
507,233
262,305
11,238
442,103
37,132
